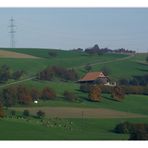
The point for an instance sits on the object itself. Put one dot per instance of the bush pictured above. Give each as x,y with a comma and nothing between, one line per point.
26,113
124,127
70,96
12,112
40,114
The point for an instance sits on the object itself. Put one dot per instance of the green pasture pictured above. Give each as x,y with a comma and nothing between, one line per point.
81,129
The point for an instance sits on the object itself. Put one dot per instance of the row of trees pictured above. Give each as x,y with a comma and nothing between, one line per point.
136,80
7,73
22,95
94,94
127,89
96,50
57,72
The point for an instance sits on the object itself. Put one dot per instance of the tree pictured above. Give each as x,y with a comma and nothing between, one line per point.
40,114
23,95
88,67
17,74
95,93
9,96
5,73
48,94
1,111
118,93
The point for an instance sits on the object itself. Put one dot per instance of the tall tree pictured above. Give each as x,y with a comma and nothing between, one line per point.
118,93
95,93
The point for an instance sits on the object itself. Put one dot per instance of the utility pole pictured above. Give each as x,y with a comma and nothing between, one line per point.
12,33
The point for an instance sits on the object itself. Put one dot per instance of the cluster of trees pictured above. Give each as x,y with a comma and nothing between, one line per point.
136,80
6,73
94,92
22,95
127,89
137,131
123,51
96,50
57,72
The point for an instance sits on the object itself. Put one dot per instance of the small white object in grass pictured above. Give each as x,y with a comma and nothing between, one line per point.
35,101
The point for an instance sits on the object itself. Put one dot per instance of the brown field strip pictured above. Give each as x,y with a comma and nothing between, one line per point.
9,54
74,112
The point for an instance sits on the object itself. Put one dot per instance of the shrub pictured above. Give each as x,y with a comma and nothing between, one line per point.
124,127
40,114
26,113
12,112
70,96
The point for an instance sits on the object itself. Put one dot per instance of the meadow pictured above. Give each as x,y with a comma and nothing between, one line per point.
121,66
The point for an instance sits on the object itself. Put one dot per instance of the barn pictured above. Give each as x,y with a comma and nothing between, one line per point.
94,77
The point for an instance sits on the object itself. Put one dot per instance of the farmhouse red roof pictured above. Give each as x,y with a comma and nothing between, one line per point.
92,76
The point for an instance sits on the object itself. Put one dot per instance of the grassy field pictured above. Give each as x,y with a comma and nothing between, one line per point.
82,129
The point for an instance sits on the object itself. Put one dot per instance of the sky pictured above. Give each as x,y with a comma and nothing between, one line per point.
68,28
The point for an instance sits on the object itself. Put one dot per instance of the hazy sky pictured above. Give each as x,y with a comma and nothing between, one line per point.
68,28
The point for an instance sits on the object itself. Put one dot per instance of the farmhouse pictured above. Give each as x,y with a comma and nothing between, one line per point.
94,77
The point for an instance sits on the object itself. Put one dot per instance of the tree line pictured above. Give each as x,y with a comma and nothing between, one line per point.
100,51
50,73
126,89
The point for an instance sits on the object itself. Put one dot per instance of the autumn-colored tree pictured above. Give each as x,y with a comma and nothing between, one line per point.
95,93
23,95
1,111
118,93
48,94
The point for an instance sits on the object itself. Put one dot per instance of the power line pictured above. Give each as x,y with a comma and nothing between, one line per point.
12,33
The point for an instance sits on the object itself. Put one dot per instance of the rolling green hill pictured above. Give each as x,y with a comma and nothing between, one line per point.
121,66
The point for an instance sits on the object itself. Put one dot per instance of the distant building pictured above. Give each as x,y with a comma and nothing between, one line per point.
94,77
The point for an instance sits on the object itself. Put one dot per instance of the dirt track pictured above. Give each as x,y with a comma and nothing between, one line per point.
9,54
74,112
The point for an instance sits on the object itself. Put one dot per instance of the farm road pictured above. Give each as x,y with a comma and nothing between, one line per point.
105,62
75,112
16,82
